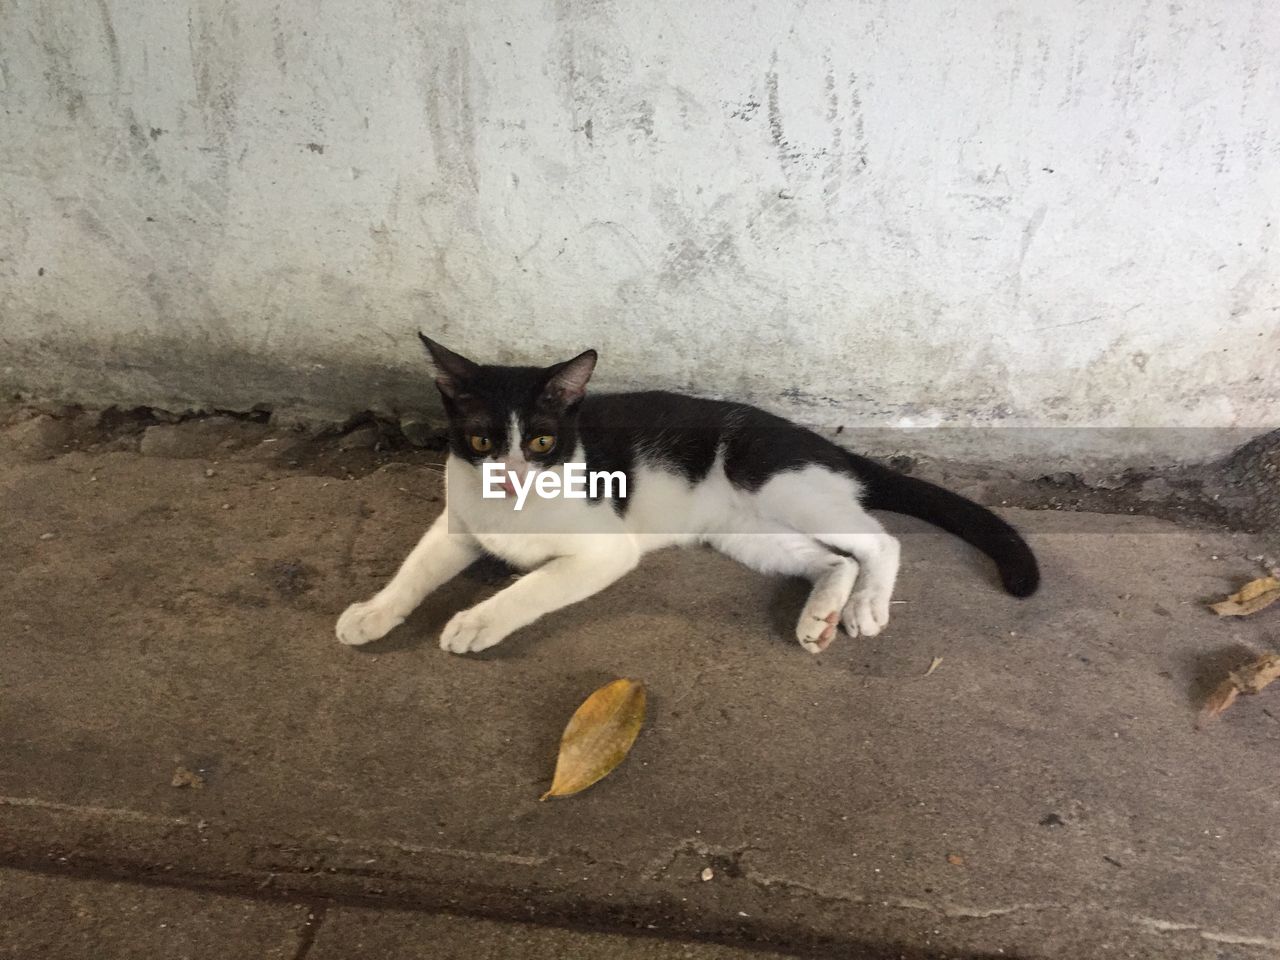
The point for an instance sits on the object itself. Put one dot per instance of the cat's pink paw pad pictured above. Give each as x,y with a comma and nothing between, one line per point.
815,633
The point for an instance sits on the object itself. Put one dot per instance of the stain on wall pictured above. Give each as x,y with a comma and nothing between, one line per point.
915,213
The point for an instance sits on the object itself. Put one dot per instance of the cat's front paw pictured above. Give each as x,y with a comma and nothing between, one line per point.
365,621
470,632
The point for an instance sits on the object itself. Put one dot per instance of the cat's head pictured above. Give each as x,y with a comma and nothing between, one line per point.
523,417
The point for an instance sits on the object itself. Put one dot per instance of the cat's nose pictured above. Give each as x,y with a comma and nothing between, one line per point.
514,470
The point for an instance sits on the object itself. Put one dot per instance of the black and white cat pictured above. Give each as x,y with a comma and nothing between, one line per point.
773,495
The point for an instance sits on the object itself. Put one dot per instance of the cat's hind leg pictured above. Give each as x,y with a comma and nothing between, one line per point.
878,556
823,504
817,625
438,557
773,549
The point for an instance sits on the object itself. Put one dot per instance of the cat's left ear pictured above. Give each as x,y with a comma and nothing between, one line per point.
567,382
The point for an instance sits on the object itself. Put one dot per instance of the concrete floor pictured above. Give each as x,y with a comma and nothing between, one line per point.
58,918
167,600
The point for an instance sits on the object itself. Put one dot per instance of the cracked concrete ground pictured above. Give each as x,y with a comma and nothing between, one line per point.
55,918
167,601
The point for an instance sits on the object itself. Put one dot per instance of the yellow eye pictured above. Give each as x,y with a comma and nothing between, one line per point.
542,444
481,444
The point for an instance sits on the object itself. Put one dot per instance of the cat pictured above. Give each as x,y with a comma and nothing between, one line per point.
769,493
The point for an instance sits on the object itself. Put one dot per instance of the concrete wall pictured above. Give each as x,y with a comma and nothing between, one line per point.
880,213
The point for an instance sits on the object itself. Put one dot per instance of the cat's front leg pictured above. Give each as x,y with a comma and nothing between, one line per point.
556,584
438,557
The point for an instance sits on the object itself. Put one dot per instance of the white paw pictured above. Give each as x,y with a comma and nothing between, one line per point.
820,617
866,613
470,632
365,621
816,630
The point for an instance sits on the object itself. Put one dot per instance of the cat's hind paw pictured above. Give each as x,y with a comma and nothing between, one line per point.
470,632
865,614
820,617
366,621
816,632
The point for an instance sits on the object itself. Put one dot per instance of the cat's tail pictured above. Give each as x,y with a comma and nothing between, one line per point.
887,489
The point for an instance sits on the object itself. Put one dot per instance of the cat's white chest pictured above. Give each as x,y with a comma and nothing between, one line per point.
522,550
530,536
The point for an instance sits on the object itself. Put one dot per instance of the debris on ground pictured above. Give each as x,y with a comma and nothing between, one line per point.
598,737
955,859
707,874
361,438
1237,492
221,652
933,665
1250,598
182,777
1251,678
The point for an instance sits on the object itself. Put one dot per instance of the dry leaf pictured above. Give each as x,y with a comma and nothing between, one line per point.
1255,677
955,859
1223,696
1251,678
182,777
937,662
598,736
1250,598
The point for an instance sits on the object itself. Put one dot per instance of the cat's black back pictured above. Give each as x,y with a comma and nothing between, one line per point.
685,434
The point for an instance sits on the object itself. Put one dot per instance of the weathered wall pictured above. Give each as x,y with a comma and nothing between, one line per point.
895,211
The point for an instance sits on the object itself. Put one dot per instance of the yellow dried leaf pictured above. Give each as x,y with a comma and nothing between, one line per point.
933,665
1250,598
1255,677
1251,678
598,736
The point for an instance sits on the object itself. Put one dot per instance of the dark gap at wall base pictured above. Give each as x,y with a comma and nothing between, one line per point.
1239,492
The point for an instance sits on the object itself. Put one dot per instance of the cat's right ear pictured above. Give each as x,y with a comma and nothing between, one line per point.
453,370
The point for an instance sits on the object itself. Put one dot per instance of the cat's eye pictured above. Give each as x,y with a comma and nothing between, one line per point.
480,444
542,444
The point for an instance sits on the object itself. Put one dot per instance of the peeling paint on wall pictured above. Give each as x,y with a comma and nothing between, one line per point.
879,214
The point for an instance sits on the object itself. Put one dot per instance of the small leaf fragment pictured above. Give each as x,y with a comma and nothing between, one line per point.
598,737
1223,696
1251,678
1250,598
933,665
182,777
955,859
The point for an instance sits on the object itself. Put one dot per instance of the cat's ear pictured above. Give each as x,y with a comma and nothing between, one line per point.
567,382
453,370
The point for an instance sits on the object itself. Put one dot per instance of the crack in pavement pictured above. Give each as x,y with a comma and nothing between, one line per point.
731,860
310,929
119,813
660,865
